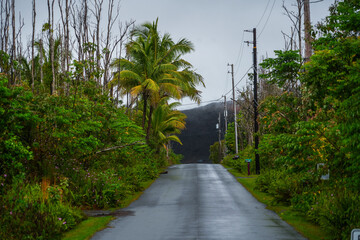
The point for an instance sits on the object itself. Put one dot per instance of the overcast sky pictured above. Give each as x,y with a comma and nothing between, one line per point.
216,28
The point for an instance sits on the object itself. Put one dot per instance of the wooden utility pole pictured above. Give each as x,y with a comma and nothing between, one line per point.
225,121
225,114
307,27
256,126
219,137
234,106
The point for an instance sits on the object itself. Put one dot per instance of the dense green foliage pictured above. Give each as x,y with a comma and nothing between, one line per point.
217,152
66,145
76,148
312,128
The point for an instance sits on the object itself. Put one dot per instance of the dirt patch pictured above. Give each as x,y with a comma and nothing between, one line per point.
103,213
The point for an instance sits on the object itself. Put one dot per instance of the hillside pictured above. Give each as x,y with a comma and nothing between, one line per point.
200,132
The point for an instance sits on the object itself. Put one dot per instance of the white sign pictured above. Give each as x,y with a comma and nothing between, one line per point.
326,176
355,234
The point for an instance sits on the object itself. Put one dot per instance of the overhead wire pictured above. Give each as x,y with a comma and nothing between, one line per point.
239,57
189,104
267,20
240,54
220,98
238,61
267,5
239,81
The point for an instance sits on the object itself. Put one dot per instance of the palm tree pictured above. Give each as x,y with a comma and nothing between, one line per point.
166,123
155,70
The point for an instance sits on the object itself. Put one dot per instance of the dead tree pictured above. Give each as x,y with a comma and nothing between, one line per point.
76,24
51,42
13,47
19,45
107,55
296,30
97,4
307,28
33,46
6,10
65,14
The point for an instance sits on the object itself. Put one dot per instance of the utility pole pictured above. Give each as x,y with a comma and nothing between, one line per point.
225,113
225,120
307,27
219,137
234,105
256,125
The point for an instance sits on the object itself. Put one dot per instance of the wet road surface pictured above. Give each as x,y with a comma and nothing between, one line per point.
197,201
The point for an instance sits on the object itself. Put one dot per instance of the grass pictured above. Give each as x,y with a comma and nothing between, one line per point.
294,218
87,228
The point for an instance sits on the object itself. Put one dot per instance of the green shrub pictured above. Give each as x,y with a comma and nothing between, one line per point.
215,156
28,213
304,201
337,211
239,163
93,189
106,189
286,187
263,181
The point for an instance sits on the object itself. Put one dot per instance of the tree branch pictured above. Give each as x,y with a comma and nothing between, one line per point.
121,146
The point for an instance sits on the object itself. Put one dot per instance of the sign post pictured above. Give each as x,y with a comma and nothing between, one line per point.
248,164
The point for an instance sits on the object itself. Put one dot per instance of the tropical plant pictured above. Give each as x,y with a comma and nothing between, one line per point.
166,123
156,70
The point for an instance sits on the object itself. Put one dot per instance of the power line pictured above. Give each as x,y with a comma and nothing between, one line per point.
240,55
267,5
210,101
267,20
218,99
239,81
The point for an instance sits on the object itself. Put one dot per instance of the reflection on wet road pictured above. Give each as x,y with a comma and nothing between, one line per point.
198,201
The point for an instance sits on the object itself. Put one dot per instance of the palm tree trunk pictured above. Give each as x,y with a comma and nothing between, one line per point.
144,111
149,123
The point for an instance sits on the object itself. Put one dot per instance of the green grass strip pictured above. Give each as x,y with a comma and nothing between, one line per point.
86,229
296,219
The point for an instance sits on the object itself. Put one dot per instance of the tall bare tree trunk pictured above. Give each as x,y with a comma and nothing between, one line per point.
13,47
85,37
66,32
51,42
108,35
65,53
19,46
6,34
41,46
32,47
97,13
2,22
299,5
307,27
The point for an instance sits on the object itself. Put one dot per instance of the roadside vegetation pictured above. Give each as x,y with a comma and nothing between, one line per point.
67,141
309,128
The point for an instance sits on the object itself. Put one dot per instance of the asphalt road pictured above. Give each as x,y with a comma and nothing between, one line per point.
197,201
